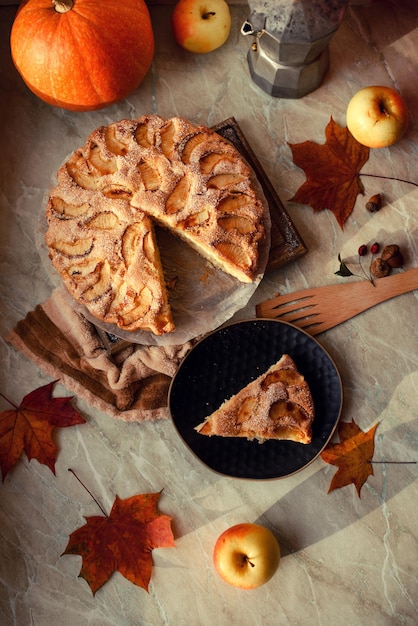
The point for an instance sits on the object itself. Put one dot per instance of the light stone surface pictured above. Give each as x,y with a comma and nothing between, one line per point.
346,560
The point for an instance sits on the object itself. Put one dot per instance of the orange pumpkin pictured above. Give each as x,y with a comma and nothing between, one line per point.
82,55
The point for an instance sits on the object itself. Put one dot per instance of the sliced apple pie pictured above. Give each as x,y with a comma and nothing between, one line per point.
277,405
129,176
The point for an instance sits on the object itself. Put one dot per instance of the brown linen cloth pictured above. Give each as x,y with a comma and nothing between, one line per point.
131,385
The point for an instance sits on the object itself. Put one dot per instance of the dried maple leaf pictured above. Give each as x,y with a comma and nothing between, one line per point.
352,456
28,428
332,171
122,542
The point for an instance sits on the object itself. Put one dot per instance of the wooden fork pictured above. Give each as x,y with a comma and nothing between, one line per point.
321,308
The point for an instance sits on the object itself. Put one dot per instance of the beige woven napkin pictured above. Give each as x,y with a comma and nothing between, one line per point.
131,384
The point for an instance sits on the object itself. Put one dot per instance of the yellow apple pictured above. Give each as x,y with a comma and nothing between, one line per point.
246,555
201,25
377,116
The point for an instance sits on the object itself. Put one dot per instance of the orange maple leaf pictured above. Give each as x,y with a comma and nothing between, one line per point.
352,456
122,542
332,171
28,428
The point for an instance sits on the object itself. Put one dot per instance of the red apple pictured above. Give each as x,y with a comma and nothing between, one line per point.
377,116
246,555
201,25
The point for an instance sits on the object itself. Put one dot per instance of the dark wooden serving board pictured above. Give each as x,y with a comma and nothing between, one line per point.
286,243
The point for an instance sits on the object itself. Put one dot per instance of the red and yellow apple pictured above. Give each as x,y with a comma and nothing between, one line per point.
201,25
246,555
377,116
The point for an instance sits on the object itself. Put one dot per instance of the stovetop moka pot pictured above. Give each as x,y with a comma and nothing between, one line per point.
289,52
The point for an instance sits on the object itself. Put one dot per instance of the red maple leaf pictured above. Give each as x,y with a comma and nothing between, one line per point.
28,428
352,456
332,171
122,542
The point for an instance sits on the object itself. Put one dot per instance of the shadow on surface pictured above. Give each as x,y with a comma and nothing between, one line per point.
308,514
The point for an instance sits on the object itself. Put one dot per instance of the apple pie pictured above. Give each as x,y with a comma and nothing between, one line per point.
130,176
277,405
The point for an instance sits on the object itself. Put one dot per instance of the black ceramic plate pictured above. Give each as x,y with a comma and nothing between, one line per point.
224,362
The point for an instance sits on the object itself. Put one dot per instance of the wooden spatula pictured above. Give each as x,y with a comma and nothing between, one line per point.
321,308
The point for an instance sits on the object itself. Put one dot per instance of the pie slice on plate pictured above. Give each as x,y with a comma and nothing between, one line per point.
277,405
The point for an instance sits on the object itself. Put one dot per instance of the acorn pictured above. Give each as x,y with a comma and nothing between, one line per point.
392,255
374,203
380,268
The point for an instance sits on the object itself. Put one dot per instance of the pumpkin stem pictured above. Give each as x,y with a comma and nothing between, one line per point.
62,6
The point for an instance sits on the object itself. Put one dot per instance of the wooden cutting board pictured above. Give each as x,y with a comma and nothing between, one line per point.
286,243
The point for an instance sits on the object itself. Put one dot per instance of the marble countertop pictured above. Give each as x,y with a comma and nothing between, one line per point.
345,559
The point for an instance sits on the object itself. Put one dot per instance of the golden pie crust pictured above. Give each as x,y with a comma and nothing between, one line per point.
277,405
129,176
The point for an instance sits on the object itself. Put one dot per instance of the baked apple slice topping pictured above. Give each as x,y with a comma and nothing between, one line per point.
78,248
64,210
